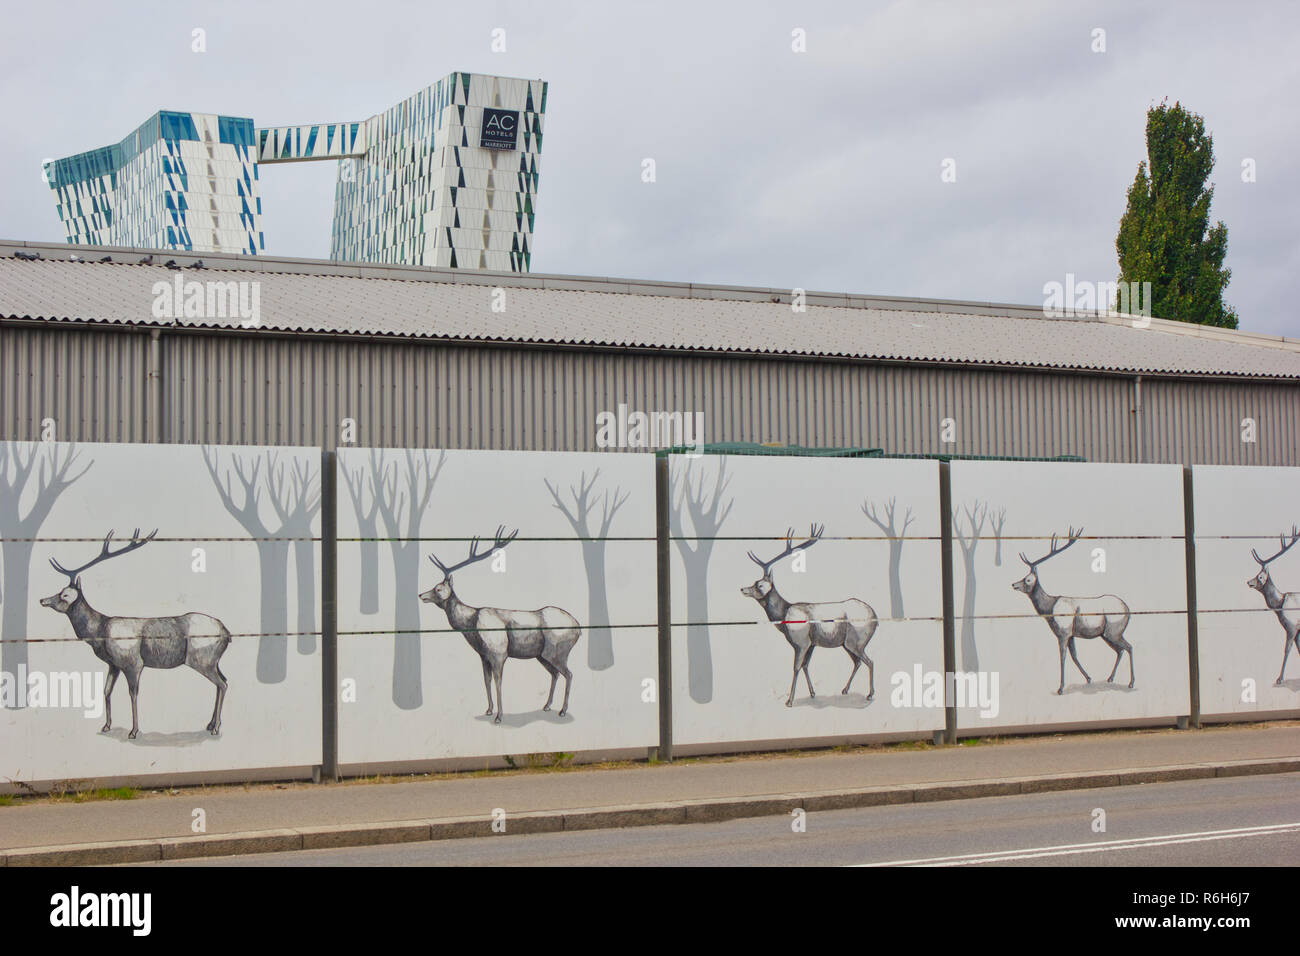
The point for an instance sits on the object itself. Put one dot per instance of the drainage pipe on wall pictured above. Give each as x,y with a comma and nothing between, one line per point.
1137,419
153,388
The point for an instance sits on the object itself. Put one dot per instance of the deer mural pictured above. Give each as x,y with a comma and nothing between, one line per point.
1286,605
848,624
1104,616
130,644
547,634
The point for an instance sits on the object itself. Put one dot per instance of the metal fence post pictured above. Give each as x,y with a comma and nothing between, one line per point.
949,630
329,618
663,577
1193,635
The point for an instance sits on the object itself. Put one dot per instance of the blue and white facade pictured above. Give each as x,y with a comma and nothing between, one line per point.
181,181
427,193
448,177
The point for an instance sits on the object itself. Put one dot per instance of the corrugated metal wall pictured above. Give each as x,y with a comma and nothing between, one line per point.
91,384
1206,424
259,389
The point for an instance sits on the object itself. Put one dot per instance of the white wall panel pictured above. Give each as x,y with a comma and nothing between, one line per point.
1241,638
1131,551
421,696
203,560
732,666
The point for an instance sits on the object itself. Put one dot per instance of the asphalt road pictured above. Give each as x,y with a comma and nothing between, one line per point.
1243,821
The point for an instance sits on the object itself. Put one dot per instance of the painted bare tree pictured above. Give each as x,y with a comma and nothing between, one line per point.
289,501
975,517
600,641
296,502
403,496
997,523
707,515
18,463
896,536
360,484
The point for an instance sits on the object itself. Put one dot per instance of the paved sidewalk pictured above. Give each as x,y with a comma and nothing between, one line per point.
716,788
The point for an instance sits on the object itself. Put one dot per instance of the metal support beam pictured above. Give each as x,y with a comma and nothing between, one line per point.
665,609
1193,635
329,618
946,578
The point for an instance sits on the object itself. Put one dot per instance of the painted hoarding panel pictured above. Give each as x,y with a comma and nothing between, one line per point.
871,582
1069,577
1247,588
214,618
566,604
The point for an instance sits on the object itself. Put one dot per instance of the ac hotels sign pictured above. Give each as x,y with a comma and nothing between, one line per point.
500,129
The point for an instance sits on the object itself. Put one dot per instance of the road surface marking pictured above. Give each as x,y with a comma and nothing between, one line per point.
1070,849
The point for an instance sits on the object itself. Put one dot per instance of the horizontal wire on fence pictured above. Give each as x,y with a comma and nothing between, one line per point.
1086,537
483,540
674,537
934,537
655,624
391,632
100,540
189,637
1021,615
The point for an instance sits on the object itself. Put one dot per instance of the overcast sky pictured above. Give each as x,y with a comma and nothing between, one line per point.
819,170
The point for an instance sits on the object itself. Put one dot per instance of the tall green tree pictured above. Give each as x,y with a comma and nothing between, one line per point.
1165,236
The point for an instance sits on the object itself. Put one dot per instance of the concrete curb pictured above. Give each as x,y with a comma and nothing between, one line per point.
711,810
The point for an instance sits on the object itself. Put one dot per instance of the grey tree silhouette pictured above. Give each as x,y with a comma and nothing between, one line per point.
896,537
600,642
975,518
707,515
18,531
996,524
293,503
296,507
359,484
401,506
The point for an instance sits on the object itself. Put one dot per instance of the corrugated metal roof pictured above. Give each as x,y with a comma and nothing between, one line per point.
305,296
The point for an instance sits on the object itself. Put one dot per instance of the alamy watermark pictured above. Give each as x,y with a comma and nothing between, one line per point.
208,300
77,690
74,908
965,688
1080,298
637,429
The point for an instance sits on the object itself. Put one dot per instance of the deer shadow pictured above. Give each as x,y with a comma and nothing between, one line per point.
528,717
1292,684
1100,687
854,701
181,738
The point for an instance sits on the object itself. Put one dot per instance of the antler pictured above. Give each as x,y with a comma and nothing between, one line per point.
1286,546
814,535
106,552
502,539
1054,550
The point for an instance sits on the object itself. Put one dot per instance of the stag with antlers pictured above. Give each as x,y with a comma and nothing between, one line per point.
1286,605
130,644
496,634
1104,616
848,624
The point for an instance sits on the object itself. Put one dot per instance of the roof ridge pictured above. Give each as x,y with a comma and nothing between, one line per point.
327,269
